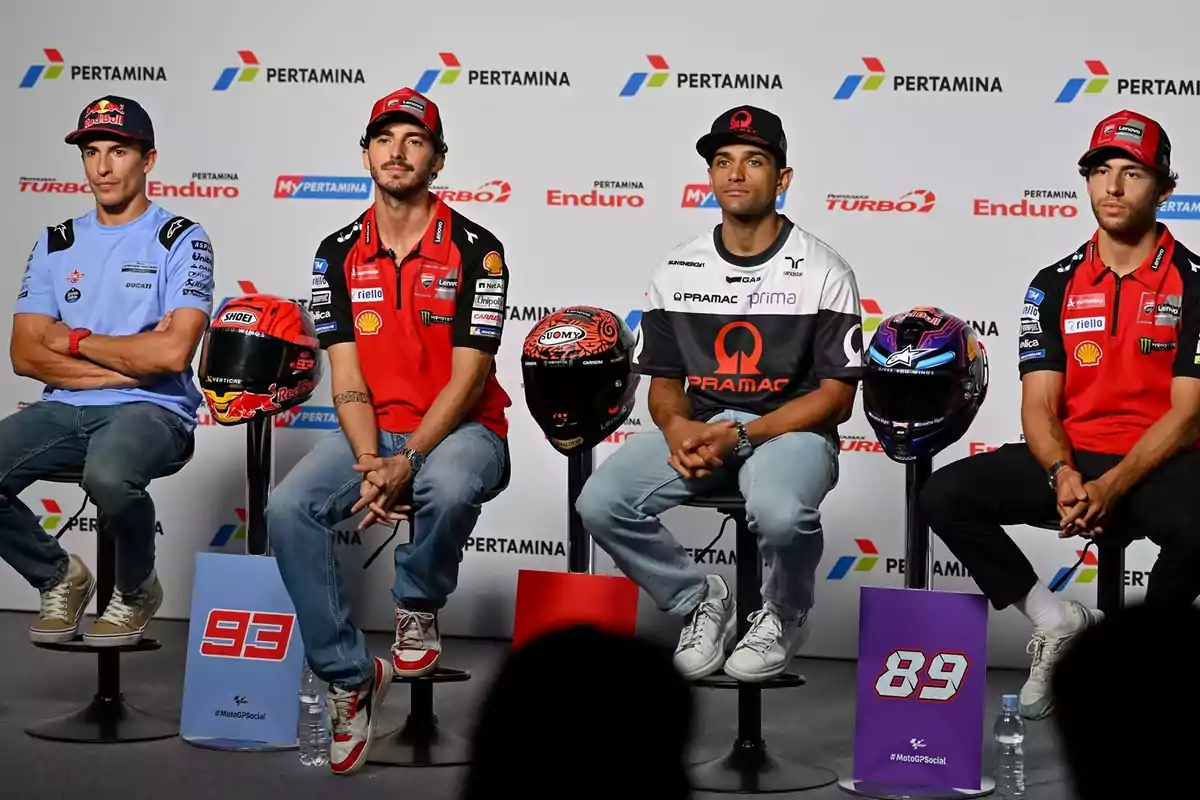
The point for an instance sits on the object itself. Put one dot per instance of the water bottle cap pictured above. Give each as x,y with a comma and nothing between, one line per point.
1008,702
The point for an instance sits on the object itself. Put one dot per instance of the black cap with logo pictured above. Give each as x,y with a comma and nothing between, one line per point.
747,125
114,115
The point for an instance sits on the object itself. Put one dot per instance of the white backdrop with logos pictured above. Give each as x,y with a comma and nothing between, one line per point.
937,160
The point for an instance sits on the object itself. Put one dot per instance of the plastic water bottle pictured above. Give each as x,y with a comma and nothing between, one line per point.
1009,732
314,735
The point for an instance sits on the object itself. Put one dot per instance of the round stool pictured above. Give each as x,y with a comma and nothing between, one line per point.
748,768
420,742
1110,566
108,718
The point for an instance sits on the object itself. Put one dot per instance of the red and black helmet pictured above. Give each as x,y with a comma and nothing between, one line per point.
578,373
260,357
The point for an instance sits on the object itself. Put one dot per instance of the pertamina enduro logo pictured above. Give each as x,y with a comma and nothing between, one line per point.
490,192
507,75
603,194
250,68
661,76
919,201
55,64
1033,204
876,77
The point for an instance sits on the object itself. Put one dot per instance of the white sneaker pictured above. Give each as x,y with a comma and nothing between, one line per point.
353,714
418,645
1045,647
768,648
702,643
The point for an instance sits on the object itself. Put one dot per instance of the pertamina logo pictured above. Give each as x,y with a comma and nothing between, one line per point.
321,418
250,67
322,187
697,80
920,201
604,194
452,68
876,76
868,557
738,347
700,195
203,185
1084,573
1180,206
1032,204
89,72
490,192
1099,78
872,314
53,519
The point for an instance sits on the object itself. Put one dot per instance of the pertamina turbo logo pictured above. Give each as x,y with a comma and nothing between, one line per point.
490,192
919,201
202,186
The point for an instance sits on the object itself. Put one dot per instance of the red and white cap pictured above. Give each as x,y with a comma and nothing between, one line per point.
1136,136
408,103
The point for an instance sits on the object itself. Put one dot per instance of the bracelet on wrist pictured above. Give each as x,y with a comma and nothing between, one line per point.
361,456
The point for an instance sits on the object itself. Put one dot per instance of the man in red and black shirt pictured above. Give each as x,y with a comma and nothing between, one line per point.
1110,406
409,304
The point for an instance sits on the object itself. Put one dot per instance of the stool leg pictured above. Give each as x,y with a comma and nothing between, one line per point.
747,768
1110,591
108,719
420,742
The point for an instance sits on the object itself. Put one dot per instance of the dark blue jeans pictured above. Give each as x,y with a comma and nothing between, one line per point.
119,449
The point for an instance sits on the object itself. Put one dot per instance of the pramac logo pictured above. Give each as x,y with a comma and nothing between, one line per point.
737,368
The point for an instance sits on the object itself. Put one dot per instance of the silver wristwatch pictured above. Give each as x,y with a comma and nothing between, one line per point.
743,448
417,460
1055,468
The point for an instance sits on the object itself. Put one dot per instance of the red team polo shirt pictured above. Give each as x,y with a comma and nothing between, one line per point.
1119,340
407,315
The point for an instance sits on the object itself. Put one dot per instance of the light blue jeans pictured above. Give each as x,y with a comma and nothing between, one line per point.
784,481
460,474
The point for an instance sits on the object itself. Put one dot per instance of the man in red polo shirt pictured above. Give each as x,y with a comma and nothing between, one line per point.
409,303
1110,406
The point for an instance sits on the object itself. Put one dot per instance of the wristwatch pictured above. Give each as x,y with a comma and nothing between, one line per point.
77,335
1055,468
417,460
743,448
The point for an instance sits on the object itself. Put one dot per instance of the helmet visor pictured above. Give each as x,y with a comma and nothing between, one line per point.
911,397
235,358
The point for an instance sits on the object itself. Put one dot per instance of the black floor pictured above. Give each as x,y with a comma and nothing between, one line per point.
813,724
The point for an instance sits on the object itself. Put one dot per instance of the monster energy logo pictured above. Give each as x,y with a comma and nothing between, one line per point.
1149,346
429,318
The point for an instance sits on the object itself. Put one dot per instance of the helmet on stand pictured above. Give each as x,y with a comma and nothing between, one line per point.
578,373
259,358
925,376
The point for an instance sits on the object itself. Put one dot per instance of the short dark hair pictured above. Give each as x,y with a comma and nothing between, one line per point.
1167,179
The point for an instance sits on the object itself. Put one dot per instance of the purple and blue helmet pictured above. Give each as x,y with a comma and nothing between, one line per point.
925,375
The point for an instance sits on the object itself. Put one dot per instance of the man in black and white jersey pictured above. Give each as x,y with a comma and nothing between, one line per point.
753,340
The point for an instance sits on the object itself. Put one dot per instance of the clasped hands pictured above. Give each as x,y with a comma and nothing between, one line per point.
384,479
1084,507
698,448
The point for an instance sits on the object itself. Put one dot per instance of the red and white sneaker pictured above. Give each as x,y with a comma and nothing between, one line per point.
352,718
418,645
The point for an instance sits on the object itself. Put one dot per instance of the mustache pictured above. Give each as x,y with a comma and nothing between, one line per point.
402,164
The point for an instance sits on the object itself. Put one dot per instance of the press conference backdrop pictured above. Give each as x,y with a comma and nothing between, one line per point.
934,145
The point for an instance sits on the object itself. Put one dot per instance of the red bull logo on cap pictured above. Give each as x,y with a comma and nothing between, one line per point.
104,112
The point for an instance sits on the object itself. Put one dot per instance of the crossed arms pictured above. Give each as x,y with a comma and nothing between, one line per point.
39,350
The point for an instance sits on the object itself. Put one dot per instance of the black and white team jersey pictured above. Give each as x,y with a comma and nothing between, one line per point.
751,333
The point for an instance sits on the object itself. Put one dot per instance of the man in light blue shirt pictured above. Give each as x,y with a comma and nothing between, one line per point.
109,314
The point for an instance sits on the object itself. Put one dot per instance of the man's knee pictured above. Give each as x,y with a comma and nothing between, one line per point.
599,501
941,499
780,521
112,490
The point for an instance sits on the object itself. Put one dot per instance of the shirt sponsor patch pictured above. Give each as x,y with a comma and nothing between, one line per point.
489,301
1030,311
320,298
141,267
369,294
319,282
1035,296
326,327
493,263
477,330
319,266
1030,327
198,244
491,318
1084,324
1078,302
489,286
1031,354
1088,353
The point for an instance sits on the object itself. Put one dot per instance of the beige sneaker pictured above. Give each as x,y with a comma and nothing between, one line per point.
126,617
64,605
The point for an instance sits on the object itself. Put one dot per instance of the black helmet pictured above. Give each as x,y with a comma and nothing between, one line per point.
260,357
579,381
925,376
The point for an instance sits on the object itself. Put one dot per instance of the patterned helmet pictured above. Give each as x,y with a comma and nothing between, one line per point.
925,377
578,371
260,357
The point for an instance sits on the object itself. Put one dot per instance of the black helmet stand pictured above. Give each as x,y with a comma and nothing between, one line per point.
916,576
580,466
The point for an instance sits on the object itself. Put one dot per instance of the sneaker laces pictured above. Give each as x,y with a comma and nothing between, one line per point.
410,629
1042,647
765,630
55,601
343,705
120,609
693,634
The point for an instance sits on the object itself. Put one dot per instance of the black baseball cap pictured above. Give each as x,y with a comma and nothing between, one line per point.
748,125
119,116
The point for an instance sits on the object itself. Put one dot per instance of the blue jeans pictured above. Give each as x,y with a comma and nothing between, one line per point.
459,475
119,449
784,481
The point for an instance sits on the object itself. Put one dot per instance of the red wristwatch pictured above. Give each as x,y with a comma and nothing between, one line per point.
77,334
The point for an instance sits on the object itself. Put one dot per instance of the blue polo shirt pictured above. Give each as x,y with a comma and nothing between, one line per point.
119,280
